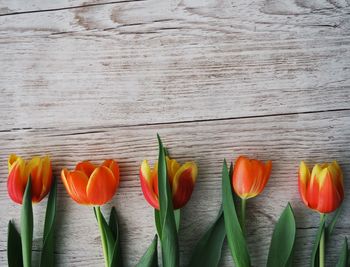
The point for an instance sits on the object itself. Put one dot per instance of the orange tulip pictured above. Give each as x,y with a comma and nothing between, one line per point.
181,178
40,171
91,185
250,176
323,190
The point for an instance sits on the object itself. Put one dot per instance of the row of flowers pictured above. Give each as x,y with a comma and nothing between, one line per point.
167,187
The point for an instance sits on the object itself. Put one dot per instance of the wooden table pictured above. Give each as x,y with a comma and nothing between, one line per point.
98,79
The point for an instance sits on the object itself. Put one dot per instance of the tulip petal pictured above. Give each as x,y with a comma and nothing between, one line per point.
172,167
34,169
113,166
77,182
86,167
245,177
183,184
147,184
46,176
329,198
101,186
64,175
16,182
12,159
303,180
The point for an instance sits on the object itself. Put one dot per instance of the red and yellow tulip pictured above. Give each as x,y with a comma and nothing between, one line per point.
323,189
92,185
40,171
250,176
181,177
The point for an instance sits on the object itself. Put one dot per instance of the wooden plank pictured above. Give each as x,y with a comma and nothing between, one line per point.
188,61
284,139
18,7
288,7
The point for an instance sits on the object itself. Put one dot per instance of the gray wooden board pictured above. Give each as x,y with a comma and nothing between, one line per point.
94,80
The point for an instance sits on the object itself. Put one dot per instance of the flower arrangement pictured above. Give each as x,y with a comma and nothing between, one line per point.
167,187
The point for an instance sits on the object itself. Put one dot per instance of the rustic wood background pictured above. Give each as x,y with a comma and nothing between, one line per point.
98,79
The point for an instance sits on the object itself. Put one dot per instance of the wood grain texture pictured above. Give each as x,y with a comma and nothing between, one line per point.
284,139
98,79
193,60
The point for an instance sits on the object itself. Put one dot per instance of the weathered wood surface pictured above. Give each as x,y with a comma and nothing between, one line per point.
98,79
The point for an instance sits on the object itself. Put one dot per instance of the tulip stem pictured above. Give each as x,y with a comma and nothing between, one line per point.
322,243
243,213
103,235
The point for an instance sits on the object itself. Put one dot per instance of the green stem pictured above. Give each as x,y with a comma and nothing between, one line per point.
243,213
27,225
103,235
322,243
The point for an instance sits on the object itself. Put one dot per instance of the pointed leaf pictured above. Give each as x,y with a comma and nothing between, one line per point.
113,222
331,225
157,222
150,258
27,225
177,215
283,238
208,250
116,259
315,250
14,247
235,237
113,250
47,254
344,255
169,239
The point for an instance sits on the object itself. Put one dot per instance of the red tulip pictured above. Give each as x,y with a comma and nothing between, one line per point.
91,185
323,190
181,178
40,171
250,176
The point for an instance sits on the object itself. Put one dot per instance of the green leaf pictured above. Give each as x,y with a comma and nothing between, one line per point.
150,258
283,238
331,225
236,199
235,237
315,248
177,215
111,236
113,223
344,255
157,222
116,259
47,254
27,225
14,247
169,239
208,250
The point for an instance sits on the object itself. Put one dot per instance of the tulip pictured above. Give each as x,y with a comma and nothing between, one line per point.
249,178
40,171
91,185
323,190
181,179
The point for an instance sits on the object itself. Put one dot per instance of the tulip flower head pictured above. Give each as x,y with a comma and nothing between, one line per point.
250,176
92,185
323,190
181,178
40,171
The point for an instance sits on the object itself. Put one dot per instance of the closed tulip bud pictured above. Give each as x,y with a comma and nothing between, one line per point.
250,176
181,178
323,189
92,185
40,171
